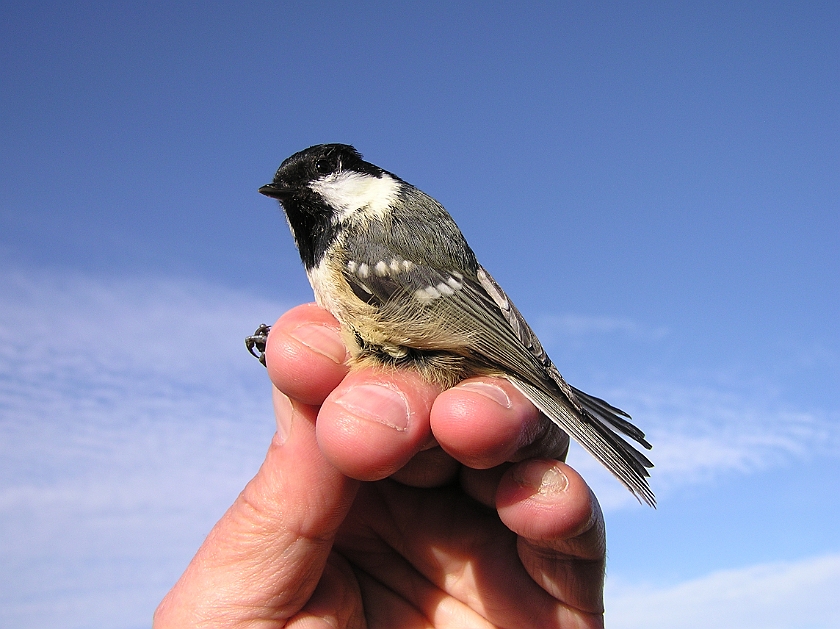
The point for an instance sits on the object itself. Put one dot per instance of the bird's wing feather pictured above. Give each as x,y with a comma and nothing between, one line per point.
472,307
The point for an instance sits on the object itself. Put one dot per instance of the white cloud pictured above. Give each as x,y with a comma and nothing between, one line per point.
769,596
717,424
570,326
702,432
131,415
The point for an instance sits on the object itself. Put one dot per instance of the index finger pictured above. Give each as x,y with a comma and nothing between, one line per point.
305,355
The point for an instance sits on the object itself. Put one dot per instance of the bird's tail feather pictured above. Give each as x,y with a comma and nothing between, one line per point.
594,430
609,414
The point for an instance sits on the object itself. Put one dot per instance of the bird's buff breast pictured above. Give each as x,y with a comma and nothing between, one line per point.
333,293
374,338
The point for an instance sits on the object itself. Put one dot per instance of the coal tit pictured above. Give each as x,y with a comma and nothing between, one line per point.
390,264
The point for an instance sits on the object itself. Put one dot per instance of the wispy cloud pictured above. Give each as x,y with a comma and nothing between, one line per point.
703,432
553,328
702,423
767,596
130,417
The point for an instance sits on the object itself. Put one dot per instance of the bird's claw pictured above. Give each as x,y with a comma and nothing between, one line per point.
256,342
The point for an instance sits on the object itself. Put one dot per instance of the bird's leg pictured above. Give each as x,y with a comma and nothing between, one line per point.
257,342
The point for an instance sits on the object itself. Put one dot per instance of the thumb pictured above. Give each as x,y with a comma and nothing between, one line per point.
264,558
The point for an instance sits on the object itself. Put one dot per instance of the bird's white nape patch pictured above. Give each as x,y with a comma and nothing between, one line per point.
349,192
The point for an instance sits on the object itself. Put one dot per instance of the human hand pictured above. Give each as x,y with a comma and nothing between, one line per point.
444,532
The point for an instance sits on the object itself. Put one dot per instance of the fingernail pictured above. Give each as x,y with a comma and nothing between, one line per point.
377,402
490,391
283,412
322,339
546,482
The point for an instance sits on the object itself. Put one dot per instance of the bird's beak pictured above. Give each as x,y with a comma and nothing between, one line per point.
274,191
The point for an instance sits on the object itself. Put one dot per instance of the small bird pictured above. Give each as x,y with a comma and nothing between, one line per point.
389,262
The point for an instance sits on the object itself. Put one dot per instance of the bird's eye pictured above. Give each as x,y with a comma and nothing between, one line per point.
325,165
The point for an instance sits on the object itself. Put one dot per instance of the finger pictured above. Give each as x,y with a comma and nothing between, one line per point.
375,421
482,485
264,558
561,530
414,602
305,355
336,602
428,468
448,557
484,422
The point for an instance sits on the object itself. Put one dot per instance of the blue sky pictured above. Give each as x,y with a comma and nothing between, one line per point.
656,187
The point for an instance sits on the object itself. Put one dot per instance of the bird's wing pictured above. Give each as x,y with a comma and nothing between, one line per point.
473,316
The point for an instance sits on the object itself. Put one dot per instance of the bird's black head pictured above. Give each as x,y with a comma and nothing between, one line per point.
312,216
317,162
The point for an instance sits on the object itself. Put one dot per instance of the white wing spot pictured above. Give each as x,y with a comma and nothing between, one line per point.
351,266
407,265
395,265
364,270
455,284
381,269
425,295
444,289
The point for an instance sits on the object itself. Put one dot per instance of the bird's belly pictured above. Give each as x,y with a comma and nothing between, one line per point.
375,339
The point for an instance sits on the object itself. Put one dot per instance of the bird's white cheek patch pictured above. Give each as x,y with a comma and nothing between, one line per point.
350,192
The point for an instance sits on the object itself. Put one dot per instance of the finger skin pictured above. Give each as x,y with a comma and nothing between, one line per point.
562,540
305,356
264,558
336,602
481,423
484,422
449,557
357,428
375,421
